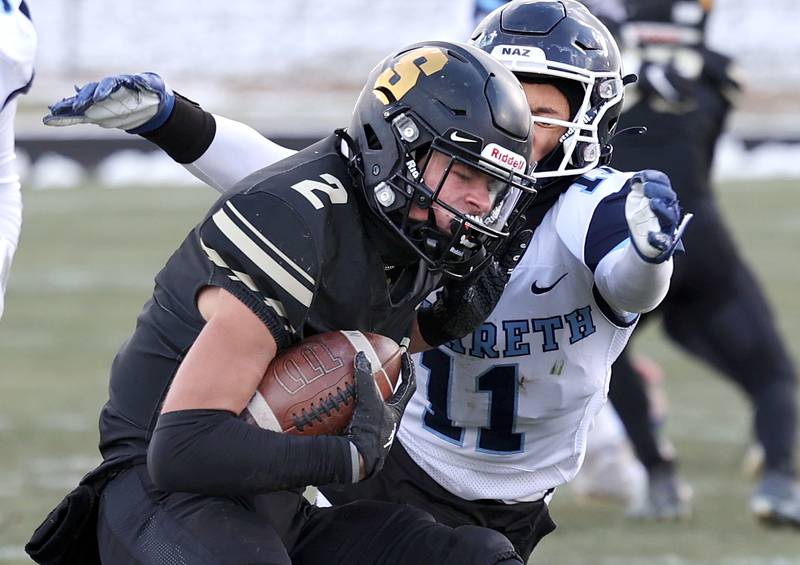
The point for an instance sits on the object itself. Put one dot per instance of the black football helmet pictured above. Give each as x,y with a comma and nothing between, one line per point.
560,40
455,100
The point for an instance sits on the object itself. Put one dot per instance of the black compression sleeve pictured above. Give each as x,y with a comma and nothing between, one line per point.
214,452
187,133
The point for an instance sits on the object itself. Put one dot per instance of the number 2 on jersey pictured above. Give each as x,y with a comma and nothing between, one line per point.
501,383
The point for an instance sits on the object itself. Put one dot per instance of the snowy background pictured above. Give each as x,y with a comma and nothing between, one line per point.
293,68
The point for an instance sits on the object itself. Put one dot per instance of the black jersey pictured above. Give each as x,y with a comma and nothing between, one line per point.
291,243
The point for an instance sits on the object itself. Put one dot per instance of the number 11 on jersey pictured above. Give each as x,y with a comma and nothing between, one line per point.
501,383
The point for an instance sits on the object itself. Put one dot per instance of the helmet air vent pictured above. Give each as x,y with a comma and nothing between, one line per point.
372,139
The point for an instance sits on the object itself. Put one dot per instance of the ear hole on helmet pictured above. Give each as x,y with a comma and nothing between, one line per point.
372,140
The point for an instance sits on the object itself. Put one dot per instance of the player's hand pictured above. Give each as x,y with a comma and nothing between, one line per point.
375,421
463,304
135,103
654,216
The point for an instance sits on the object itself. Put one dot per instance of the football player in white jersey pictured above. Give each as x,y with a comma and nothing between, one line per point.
500,416
17,50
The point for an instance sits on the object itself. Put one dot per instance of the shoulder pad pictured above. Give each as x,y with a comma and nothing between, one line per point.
578,205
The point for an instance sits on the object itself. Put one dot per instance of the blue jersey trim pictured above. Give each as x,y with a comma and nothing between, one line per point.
20,90
608,228
610,314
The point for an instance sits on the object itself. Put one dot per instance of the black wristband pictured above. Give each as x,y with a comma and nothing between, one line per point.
214,452
187,133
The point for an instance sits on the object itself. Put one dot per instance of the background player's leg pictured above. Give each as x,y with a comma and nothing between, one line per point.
730,326
667,497
137,523
628,395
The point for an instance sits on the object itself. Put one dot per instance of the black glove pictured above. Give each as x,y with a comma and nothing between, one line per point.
463,304
374,425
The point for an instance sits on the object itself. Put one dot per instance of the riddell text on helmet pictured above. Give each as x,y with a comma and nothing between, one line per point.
504,157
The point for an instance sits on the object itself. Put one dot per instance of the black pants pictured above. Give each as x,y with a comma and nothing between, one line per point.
715,308
139,524
402,481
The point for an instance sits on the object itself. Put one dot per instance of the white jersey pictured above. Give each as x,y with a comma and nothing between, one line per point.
504,413
17,50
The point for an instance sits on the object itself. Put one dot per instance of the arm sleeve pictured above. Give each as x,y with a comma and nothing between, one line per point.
626,283
629,284
187,133
218,151
10,197
236,151
214,452
266,256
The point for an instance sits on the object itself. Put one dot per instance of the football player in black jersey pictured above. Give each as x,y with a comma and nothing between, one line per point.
351,233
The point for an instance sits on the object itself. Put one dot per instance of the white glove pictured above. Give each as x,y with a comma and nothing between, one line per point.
136,103
654,216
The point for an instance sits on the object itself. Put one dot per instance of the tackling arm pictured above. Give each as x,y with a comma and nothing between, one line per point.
218,151
236,151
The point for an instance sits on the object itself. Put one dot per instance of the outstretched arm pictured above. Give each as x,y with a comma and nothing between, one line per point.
634,277
218,151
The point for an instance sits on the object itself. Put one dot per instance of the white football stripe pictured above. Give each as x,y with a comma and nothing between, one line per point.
214,256
276,305
267,264
248,281
360,343
269,244
262,413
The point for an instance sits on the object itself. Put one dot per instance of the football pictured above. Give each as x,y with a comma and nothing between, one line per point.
309,389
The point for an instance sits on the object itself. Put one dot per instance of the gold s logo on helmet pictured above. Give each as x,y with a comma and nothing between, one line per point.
403,76
707,4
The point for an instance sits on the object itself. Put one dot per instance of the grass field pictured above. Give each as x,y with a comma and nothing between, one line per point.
85,267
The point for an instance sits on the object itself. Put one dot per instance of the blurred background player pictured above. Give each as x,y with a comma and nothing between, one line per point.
715,309
598,257
17,51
